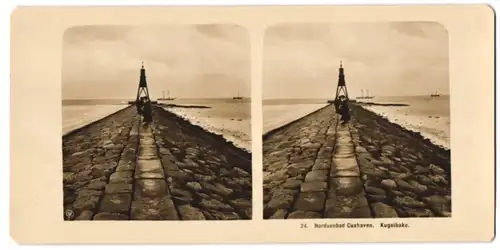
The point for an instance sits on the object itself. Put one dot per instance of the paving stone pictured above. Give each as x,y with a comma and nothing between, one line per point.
418,212
292,183
275,176
347,186
110,216
117,188
150,188
317,176
382,210
96,185
303,215
181,196
85,215
88,192
417,187
223,215
241,203
298,168
313,201
403,185
344,150
353,172
149,169
187,212
121,177
85,203
389,183
125,165
194,186
281,199
375,191
279,214
439,204
116,203
408,201
158,208
213,204
322,164
347,207
313,186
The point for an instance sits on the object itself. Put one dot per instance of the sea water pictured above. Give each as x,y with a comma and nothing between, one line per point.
78,113
277,113
430,116
226,117
229,118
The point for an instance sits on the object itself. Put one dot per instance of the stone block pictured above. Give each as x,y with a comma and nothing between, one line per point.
317,176
116,203
110,216
313,201
382,210
150,188
117,188
149,169
303,215
187,212
158,208
314,186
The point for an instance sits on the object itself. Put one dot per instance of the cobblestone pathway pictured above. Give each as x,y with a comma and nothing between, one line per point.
118,169
318,168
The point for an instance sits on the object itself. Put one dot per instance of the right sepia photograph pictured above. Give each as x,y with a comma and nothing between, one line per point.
356,121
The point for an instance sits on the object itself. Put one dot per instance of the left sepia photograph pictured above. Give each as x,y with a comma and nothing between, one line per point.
156,123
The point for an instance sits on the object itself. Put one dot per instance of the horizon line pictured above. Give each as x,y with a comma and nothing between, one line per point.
328,98
126,98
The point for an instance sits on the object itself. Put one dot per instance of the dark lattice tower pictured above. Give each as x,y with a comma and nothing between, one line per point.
142,91
341,87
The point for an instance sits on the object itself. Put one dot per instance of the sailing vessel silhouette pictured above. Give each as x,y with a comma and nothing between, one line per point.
363,96
435,94
167,98
238,97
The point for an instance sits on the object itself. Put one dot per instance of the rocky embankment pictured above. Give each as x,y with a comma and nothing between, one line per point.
318,168
404,174
118,169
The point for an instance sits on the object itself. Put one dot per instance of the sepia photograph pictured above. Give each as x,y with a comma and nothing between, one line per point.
356,121
156,123
252,124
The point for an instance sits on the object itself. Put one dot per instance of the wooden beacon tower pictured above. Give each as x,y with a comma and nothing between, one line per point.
143,85
142,90
341,88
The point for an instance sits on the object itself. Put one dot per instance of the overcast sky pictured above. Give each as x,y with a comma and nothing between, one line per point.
204,61
389,59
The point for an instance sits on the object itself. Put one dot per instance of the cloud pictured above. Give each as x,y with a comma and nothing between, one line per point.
180,58
301,61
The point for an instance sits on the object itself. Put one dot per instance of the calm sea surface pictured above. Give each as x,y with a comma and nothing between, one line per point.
420,105
428,115
78,113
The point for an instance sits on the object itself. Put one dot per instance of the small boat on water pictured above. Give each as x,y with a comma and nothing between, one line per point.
435,94
167,98
238,97
363,96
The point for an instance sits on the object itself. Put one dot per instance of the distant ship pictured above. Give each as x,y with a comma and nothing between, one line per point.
435,94
166,99
365,97
238,97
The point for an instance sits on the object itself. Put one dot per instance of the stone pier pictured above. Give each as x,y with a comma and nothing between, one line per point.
119,168
317,167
